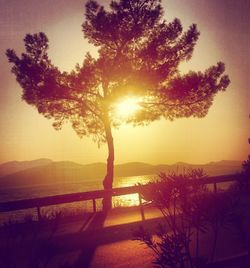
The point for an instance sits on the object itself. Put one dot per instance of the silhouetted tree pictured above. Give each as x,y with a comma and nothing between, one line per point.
139,55
246,166
246,163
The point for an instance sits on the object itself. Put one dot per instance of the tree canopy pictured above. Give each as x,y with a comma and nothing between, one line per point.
139,54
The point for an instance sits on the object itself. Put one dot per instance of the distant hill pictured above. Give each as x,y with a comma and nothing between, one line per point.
45,171
16,166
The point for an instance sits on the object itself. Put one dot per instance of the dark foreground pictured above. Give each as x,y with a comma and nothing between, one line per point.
99,240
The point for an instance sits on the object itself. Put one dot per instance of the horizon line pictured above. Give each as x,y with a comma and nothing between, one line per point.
123,163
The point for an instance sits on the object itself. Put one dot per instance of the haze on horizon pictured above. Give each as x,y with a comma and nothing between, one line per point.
222,134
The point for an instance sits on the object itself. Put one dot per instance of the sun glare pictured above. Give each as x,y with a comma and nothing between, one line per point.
127,107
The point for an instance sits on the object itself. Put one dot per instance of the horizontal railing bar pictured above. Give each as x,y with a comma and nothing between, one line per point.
63,199
84,196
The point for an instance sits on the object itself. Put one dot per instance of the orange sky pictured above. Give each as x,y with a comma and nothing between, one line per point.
222,134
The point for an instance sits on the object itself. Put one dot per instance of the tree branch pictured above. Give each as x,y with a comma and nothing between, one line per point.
175,104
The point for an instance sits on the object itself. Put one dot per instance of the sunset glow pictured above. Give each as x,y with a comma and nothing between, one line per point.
161,142
127,107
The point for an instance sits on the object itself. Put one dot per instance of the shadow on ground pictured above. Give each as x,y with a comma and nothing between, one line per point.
46,245
88,242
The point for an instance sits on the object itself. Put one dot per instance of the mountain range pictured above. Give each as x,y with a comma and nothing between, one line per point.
46,171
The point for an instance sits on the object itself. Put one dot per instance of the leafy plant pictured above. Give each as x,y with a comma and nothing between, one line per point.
178,197
188,209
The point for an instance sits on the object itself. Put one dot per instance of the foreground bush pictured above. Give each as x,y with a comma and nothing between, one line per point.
188,209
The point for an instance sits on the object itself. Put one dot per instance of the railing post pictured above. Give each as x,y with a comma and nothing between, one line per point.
39,216
215,187
94,205
141,207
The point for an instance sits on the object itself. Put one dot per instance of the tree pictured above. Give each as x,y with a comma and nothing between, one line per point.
139,55
246,163
246,166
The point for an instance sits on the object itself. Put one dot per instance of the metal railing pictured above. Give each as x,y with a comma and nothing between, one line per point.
99,194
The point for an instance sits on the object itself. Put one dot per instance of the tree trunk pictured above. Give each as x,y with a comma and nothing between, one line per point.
108,179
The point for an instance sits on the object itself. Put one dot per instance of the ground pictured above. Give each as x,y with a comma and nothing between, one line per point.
94,240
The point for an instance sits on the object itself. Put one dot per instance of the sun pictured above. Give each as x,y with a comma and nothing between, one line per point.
127,107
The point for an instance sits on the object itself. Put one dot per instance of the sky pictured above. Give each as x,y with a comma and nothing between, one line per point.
222,135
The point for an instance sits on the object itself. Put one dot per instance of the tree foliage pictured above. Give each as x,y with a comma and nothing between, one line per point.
139,54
